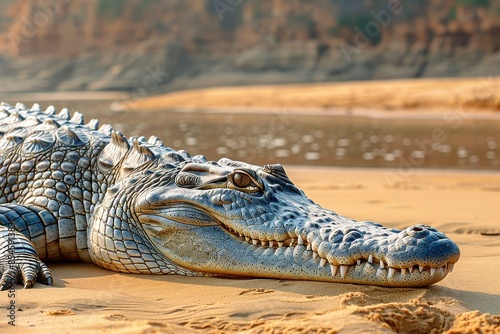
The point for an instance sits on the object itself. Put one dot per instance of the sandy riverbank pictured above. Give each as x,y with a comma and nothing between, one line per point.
424,95
464,205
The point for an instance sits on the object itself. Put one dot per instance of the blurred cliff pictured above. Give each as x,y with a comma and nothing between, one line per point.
71,45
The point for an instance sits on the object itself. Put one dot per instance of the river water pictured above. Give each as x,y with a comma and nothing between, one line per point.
453,140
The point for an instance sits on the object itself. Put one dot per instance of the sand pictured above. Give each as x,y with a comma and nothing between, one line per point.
479,94
464,205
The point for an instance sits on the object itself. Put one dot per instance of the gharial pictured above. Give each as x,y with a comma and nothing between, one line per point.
70,191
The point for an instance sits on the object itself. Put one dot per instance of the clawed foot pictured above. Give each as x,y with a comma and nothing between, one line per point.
24,270
19,262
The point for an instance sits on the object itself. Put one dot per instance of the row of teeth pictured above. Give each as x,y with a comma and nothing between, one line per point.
343,269
391,271
271,243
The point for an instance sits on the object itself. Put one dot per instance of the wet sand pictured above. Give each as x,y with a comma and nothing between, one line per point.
464,205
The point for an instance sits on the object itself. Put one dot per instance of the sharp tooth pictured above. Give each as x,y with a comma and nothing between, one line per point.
263,243
382,266
450,267
315,255
255,241
291,242
322,262
240,235
420,268
271,243
433,271
247,238
309,247
403,271
343,271
391,272
441,270
358,261
300,241
280,243
370,259
410,269
334,269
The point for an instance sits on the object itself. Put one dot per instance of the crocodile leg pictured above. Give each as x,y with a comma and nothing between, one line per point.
19,257
37,224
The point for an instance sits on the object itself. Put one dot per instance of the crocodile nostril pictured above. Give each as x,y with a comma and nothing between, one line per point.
417,231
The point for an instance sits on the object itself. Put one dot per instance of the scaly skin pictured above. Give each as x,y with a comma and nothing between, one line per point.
138,207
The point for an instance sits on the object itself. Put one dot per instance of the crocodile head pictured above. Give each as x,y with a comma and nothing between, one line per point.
231,218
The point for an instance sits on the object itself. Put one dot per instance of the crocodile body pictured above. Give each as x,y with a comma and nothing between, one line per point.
70,191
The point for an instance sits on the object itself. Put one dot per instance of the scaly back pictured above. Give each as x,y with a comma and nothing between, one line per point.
60,168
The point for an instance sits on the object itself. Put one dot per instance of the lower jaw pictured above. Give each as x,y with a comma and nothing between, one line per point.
297,263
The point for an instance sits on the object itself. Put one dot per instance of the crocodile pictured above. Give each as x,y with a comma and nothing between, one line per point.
83,192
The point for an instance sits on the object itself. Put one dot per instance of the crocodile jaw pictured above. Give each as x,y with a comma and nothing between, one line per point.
205,233
226,255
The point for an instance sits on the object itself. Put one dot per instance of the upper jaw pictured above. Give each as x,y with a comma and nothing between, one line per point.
367,267
399,256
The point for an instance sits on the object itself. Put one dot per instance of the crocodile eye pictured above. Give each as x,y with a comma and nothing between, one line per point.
241,180
245,180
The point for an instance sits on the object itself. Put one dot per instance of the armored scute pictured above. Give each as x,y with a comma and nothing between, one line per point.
73,191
